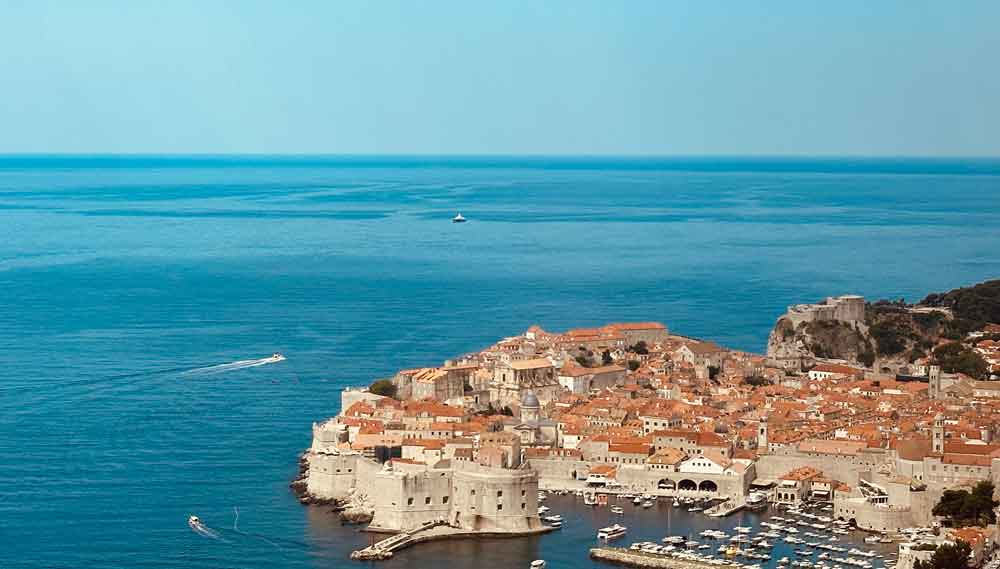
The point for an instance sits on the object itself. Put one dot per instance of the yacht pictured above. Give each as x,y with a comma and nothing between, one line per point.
458,219
617,510
611,532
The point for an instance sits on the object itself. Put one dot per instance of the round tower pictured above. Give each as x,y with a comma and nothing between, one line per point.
531,408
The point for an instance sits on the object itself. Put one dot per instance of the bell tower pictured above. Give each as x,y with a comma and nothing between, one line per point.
762,435
934,381
937,440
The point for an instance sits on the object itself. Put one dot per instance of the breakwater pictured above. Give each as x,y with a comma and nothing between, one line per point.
639,559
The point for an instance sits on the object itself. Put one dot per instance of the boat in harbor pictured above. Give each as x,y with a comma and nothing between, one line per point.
590,499
647,504
676,504
458,219
555,518
611,532
195,522
617,510
756,501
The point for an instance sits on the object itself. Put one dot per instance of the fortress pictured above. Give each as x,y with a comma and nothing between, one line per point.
846,308
494,494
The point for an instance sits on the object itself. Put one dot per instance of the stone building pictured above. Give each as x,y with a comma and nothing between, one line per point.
512,379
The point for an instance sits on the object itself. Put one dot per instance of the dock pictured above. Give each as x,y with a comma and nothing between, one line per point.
639,559
429,531
726,508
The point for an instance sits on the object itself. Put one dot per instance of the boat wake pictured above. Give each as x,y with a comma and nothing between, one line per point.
233,366
201,529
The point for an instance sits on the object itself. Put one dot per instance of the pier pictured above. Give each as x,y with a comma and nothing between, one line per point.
439,529
726,508
640,559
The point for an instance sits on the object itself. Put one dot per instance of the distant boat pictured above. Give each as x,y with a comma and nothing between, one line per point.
458,219
276,357
538,564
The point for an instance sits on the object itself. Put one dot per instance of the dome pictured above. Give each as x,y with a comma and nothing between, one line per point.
530,400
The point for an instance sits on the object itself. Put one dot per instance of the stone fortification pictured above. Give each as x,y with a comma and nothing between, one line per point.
402,495
846,308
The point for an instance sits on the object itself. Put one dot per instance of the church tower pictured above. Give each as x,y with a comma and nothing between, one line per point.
934,380
762,435
530,408
937,440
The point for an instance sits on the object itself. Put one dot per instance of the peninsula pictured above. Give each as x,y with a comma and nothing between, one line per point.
875,409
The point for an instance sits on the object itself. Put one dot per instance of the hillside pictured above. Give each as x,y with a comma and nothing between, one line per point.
891,335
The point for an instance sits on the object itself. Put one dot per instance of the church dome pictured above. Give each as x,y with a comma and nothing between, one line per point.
530,400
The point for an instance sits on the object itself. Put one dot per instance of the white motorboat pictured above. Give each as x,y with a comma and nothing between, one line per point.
458,219
617,510
194,521
676,504
611,532
276,357
647,504
537,564
542,510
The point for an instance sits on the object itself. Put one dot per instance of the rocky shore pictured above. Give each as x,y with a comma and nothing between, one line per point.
354,510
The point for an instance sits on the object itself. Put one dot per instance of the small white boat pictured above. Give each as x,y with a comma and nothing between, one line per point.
459,219
537,564
589,499
276,357
542,510
617,510
637,500
194,521
555,525
555,518
647,504
676,504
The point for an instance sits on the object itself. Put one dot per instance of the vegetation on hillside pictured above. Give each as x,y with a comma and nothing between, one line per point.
947,556
972,306
955,357
964,508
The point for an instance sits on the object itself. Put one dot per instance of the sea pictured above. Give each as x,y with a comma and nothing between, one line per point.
139,296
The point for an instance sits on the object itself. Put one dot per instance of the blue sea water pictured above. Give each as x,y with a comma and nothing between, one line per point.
119,274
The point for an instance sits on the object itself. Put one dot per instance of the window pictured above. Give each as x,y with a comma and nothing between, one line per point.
444,500
409,501
499,507
473,491
522,505
522,492
427,500
499,493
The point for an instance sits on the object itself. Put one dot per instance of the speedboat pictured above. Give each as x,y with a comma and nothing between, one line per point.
617,510
458,219
555,518
277,357
537,564
194,521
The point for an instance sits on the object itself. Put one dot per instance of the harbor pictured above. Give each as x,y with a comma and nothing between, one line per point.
668,535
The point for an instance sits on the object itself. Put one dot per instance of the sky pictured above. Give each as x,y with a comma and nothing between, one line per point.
629,77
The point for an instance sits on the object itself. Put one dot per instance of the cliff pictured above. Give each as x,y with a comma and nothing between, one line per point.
886,335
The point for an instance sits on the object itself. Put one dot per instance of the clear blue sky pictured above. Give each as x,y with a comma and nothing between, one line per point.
576,77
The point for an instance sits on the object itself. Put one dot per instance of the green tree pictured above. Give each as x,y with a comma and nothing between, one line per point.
947,556
633,365
954,357
383,387
961,507
640,348
606,358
